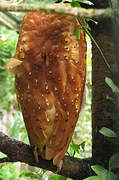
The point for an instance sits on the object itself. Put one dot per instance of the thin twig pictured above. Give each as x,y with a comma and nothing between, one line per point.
5,159
97,46
74,11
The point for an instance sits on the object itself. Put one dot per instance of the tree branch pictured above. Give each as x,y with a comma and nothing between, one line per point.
81,12
8,21
19,151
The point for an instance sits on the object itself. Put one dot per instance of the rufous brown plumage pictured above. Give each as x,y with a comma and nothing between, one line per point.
50,72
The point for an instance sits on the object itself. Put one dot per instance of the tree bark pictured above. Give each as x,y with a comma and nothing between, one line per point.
104,110
100,3
18,151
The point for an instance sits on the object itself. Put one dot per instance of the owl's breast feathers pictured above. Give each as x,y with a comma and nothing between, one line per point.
50,79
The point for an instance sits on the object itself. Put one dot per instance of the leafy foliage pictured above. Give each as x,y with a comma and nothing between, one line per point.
108,132
111,84
31,175
114,161
8,102
9,172
76,3
102,173
8,41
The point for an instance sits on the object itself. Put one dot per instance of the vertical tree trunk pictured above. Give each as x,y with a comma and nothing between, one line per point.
104,111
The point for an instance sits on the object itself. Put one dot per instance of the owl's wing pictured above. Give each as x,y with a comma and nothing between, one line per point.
50,81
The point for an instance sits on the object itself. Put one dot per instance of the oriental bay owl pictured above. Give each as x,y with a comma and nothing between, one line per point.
50,72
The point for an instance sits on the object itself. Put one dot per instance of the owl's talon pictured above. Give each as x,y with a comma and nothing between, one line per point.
59,167
35,152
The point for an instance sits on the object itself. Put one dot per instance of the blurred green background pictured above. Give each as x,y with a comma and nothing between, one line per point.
11,121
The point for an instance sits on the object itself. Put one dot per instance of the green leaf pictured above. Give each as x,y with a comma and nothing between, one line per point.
57,177
86,27
111,84
110,98
107,175
108,132
75,4
29,174
92,178
85,2
92,20
98,169
67,1
82,145
117,174
77,32
114,161
76,147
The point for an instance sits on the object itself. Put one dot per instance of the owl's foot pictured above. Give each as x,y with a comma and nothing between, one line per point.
59,166
57,161
35,152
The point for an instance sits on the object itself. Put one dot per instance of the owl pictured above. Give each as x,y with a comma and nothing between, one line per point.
50,72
